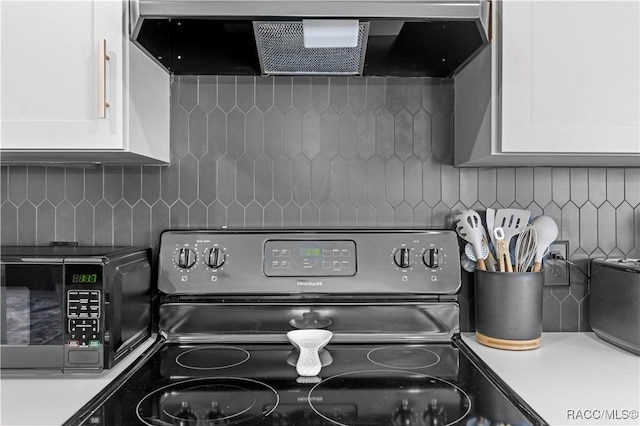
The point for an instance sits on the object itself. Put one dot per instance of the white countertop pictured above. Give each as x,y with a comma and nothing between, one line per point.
53,398
572,379
571,375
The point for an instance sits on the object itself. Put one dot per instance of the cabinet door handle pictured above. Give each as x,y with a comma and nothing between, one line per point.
102,78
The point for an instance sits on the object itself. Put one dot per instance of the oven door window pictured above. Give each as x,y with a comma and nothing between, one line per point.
31,305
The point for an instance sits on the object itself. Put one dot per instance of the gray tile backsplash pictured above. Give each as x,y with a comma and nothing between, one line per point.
320,152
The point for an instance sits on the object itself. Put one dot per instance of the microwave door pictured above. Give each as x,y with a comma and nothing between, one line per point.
32,316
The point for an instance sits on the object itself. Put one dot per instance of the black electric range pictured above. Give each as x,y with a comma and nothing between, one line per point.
228,298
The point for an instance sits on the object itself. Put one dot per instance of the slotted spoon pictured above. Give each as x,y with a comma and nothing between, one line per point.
469,227
470,252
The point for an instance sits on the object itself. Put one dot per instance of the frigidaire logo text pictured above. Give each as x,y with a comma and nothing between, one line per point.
310,283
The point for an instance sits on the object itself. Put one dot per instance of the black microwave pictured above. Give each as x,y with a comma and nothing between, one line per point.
72,308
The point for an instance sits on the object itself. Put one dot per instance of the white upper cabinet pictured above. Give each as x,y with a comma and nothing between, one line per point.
564,80
55,78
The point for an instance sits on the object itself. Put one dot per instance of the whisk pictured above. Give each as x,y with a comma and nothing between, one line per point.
526,246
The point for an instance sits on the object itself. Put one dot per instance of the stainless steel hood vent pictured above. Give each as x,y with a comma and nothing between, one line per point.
408,38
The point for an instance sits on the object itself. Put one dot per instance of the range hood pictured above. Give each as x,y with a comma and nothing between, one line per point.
432,38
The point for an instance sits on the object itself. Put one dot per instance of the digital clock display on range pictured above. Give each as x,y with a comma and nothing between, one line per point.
310,251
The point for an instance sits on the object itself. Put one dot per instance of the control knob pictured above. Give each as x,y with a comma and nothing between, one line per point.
185,258
215,257
402,257
431,257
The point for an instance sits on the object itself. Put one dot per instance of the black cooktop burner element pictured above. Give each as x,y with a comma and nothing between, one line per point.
406,358
393,397
208,401
212,357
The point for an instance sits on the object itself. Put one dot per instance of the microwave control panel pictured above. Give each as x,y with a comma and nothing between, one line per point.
84,336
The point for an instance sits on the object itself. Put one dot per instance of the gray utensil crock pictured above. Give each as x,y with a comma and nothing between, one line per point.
508,309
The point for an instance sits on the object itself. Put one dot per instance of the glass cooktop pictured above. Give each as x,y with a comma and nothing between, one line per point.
227,384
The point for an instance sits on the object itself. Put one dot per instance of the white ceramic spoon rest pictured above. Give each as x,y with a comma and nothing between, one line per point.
309,342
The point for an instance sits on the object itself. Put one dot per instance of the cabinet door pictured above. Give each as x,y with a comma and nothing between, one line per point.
50,78
570,76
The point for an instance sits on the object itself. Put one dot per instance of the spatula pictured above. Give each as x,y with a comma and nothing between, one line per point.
512,221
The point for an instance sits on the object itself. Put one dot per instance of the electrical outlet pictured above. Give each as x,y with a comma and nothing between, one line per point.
556,270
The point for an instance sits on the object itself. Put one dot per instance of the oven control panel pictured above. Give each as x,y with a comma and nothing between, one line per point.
309,258
293,262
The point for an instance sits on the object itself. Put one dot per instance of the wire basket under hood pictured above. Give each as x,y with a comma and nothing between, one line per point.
282,51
